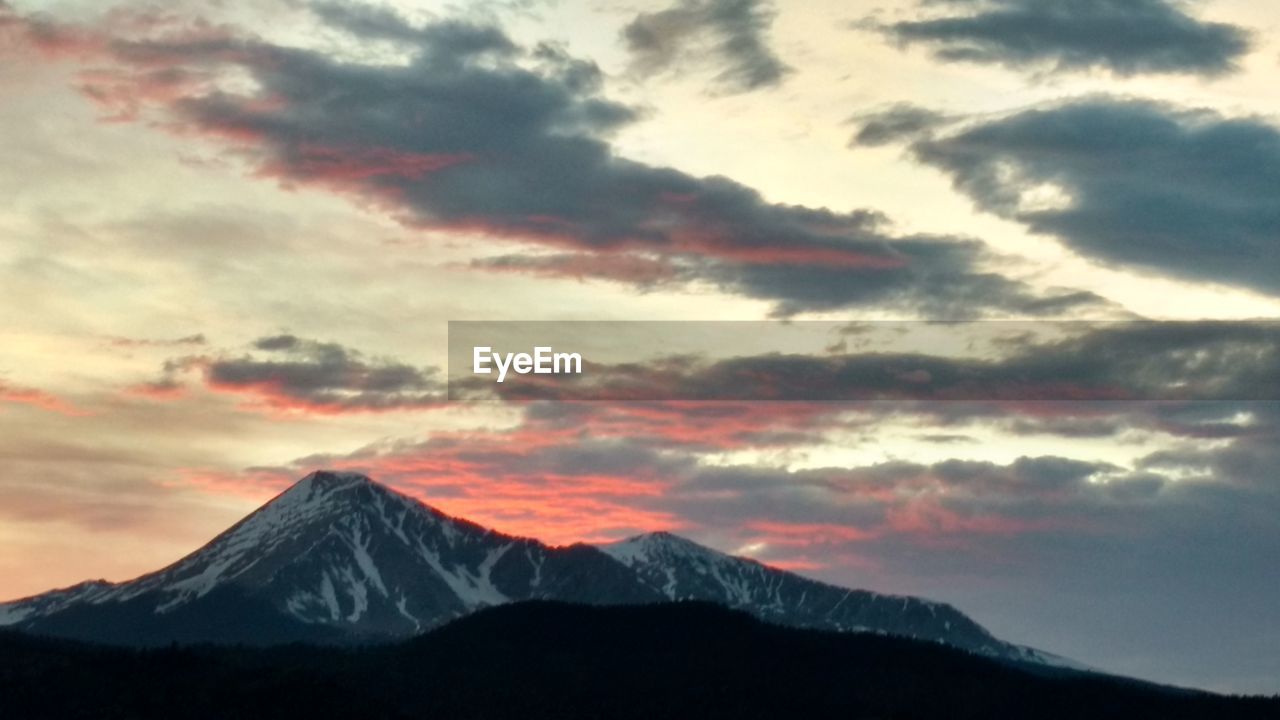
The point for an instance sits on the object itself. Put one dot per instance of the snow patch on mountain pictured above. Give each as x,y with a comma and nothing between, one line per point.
19,610
11,613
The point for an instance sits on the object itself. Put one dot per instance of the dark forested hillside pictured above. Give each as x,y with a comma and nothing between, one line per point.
550,660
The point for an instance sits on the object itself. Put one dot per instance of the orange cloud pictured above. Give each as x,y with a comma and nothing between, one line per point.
39,399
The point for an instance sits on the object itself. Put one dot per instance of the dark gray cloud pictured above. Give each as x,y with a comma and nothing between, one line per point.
1019,492
291,373
475,133
732,32
1249,460
644,273
1141,184
898,123
935,276
1127,37
375,22
900,503
312,375
278,342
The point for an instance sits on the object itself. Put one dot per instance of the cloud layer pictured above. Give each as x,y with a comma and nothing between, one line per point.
287,373
477,134
1127,37
730,33
1142,184
1201,361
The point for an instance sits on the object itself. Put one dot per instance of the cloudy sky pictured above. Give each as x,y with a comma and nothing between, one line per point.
234,233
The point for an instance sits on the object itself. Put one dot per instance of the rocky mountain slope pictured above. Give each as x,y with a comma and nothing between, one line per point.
340,558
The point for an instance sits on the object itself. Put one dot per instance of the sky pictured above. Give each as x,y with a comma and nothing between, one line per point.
235,233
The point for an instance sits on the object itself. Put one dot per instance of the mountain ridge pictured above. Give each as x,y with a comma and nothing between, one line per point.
338,557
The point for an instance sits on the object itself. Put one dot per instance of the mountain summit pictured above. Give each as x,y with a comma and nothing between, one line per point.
338,557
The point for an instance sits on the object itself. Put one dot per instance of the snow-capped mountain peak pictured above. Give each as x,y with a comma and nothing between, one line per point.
680,569
335,553
653,547
340,557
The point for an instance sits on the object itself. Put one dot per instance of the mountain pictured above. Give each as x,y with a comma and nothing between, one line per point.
551,660
335,557
339,558
680,569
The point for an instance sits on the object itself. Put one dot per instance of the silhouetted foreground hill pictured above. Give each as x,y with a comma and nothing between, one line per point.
550,660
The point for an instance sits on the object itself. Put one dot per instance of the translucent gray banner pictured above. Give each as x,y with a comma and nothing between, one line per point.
841,361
